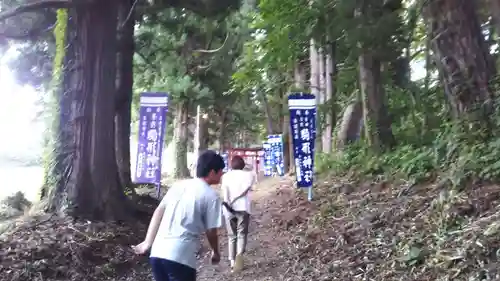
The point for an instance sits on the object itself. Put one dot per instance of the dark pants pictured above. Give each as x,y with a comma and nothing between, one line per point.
165,270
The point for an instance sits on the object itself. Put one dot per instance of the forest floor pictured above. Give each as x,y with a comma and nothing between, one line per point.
351,231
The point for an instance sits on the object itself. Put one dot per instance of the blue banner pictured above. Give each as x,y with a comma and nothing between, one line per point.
152,121
226,161
276,142
268,159
302,108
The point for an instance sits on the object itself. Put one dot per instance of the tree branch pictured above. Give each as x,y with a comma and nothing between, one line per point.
122,25
34,6
32,34
213,51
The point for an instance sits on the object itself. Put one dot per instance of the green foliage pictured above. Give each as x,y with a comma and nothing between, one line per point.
284,41
444,151
60,34
169,59
405,161
52,105
31,45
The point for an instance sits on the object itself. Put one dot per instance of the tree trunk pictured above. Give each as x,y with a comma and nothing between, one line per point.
314,77
401,72
350,128
282,107
330,114
321,101
376,120
321,74
285,130
93,190
269,115
197,131
299,76
222,131
287,145
62,138
427,81
428,64
204,134
125,80
181,140
400,65
462,57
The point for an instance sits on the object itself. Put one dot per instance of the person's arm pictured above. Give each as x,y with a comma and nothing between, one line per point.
245,192
213,239
154,224
212,222
225,191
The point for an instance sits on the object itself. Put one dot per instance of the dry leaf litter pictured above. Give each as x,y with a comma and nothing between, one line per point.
352,231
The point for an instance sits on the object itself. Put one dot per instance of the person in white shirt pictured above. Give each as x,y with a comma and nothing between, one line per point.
236,186
188,209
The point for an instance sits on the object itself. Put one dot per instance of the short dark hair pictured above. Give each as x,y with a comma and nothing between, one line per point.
208,161
237,163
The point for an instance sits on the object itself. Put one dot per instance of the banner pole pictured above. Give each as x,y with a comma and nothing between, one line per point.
158,190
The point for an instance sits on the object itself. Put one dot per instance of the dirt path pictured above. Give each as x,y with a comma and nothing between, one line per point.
262,261
60,248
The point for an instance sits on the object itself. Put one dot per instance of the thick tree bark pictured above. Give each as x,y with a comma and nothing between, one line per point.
269,115
376,120
462,57
281,108
125,81
221,138
59,172
350,128
181,139
322,74
299,76
401,72
427,81
93,190
330,114
399,65
204,134
287,145
428,64
320,124
314,78
285,131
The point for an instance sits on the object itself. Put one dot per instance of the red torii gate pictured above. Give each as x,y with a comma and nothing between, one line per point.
250,155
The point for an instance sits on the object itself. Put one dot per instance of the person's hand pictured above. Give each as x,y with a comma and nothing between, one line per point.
215,257
142,248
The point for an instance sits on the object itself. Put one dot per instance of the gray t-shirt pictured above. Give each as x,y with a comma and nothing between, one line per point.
191,208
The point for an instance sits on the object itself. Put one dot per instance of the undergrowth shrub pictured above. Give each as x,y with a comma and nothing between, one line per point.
446,157
426,149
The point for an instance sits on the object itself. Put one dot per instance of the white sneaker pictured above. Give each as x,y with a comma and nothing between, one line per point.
238,263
